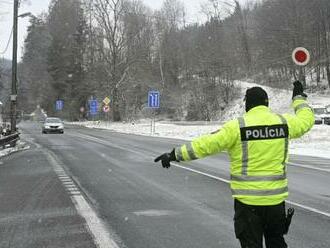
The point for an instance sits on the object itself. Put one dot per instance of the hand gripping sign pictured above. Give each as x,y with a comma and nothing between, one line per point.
301,56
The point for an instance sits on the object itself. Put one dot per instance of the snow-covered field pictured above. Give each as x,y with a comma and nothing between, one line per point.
315,143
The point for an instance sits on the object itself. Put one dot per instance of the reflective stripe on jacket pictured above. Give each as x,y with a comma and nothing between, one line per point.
257,144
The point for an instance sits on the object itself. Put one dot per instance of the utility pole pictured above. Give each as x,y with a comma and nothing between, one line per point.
13,96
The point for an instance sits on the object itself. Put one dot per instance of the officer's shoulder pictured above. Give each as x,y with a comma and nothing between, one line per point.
232,123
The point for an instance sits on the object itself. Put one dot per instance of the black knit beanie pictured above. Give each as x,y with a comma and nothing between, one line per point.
255,96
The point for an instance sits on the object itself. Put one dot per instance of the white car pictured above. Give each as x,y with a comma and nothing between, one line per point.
53,125
321,115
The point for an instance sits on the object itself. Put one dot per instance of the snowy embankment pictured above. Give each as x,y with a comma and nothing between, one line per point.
315,143
21,146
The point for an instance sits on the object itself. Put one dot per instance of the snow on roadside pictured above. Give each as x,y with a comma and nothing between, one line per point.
315,143
186,131
21,146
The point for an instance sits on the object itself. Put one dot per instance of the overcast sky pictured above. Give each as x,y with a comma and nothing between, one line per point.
38,6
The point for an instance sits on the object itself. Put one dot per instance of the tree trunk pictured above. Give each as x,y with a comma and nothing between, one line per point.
318,55
328,72
326,47
115,106
244,38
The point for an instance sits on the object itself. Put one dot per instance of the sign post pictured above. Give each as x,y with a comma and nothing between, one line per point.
82,111
106,108
93,107
106,100
301,58
153,103
154,99
59,105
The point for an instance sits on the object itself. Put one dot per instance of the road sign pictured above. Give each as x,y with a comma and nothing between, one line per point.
106,100
106,108
301,56
93,107
153,99
59,105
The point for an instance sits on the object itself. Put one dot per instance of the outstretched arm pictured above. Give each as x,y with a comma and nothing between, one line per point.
203,146
209,144
303,120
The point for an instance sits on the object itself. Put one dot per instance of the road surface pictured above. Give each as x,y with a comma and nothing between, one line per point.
97,187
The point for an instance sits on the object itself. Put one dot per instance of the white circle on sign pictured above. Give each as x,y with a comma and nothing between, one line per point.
106,108
301,56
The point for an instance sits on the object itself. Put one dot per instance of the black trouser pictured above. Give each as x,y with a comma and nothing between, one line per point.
254,222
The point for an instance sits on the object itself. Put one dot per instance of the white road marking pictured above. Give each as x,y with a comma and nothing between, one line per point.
309,208
70,188
202,173
95,225
82,136
68,184
309,167
155,213
227,181
75,192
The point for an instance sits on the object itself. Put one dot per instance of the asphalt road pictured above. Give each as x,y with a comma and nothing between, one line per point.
142,205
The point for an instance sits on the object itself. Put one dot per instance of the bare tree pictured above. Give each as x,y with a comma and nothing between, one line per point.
109,15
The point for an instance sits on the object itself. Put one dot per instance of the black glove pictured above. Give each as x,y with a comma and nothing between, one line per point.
166,158
298,89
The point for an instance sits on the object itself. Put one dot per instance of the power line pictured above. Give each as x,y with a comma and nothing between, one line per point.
7,46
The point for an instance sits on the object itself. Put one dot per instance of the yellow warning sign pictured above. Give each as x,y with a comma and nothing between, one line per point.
106,100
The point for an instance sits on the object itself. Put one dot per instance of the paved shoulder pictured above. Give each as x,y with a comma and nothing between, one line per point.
36,210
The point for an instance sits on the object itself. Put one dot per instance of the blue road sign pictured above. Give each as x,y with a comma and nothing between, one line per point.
153,99
93,107
59,105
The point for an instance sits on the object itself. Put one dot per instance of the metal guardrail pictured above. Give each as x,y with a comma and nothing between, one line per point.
9,140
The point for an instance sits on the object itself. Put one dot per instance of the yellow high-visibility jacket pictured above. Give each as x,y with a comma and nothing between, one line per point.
257,144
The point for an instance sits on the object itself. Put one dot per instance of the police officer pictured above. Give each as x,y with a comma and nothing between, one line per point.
257,144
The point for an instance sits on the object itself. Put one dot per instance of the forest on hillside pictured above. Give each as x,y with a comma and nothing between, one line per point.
89,49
